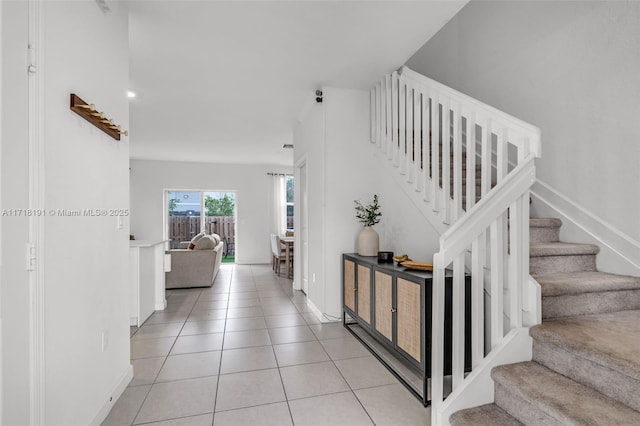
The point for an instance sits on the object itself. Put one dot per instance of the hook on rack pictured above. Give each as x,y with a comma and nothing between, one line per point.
97,118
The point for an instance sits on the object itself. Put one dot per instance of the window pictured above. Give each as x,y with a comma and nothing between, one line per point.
192,212
289,201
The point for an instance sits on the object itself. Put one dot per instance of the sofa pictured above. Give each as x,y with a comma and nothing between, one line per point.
197,265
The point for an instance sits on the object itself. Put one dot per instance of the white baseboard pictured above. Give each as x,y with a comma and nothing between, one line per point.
161,306
613,242
253,262
318,313
111,399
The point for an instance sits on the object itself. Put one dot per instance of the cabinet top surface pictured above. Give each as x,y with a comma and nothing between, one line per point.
390,267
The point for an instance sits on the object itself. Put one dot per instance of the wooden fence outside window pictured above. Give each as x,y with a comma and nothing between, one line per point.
184,228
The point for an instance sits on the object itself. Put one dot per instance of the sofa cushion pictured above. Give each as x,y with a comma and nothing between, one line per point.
216,237
194,240
205,243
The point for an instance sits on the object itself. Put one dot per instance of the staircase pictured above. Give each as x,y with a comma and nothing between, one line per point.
468,167
586,353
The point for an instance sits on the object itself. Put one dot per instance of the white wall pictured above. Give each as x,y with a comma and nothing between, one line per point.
344,166
570,68
149,180
405,228
350,174
85,258
14,178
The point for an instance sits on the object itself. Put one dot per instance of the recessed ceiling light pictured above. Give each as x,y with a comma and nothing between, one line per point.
131,94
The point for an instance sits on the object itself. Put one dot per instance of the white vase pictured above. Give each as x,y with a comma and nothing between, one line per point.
368,242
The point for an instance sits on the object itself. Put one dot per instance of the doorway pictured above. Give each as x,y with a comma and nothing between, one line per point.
189,213
302,234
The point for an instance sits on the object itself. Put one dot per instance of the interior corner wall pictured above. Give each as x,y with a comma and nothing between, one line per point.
85,262
14,281
150,178
343,166
570,68
350,175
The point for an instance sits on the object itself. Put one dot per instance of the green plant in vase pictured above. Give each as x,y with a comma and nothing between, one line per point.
368,215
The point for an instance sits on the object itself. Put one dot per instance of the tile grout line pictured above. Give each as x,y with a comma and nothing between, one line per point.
224,333
268,291
163,363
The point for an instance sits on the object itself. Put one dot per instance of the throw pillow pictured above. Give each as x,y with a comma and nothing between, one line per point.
205,243
216,237
194,240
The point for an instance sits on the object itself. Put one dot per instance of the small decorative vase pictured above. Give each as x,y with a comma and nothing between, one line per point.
368,242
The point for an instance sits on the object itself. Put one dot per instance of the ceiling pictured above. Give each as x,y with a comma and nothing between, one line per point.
224,82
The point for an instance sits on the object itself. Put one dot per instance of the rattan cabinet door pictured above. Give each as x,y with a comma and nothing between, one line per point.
383,298
408,317
364,293
350,284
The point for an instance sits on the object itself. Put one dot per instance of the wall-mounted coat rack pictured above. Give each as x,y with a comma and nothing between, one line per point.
98,119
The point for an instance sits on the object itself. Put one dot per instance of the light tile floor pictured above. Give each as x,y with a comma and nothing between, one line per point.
247,351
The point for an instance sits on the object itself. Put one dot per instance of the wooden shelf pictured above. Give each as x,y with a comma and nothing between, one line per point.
98,119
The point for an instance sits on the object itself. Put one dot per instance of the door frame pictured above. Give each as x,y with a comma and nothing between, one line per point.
300,253
35,246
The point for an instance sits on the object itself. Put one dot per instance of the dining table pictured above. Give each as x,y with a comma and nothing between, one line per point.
288,245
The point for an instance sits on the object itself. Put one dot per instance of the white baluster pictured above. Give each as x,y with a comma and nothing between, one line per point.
383,119
426,149
485,177
471,160
457,163
437,337
497,281
402,103
477,299
388,101
446,162
410,135
502,151
372,107
458,299
377,138
502,169
393,153
383,116
435,152
516,276
418,141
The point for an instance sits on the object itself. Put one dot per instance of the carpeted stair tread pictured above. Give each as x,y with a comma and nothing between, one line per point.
585,282
562,249
484,415
544,222
560,398
611,340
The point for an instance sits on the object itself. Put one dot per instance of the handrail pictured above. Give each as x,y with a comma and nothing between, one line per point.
460,235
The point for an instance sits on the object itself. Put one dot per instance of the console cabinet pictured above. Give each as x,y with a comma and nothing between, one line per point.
393,306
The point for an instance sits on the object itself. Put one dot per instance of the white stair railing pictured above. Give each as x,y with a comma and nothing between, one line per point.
474,165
